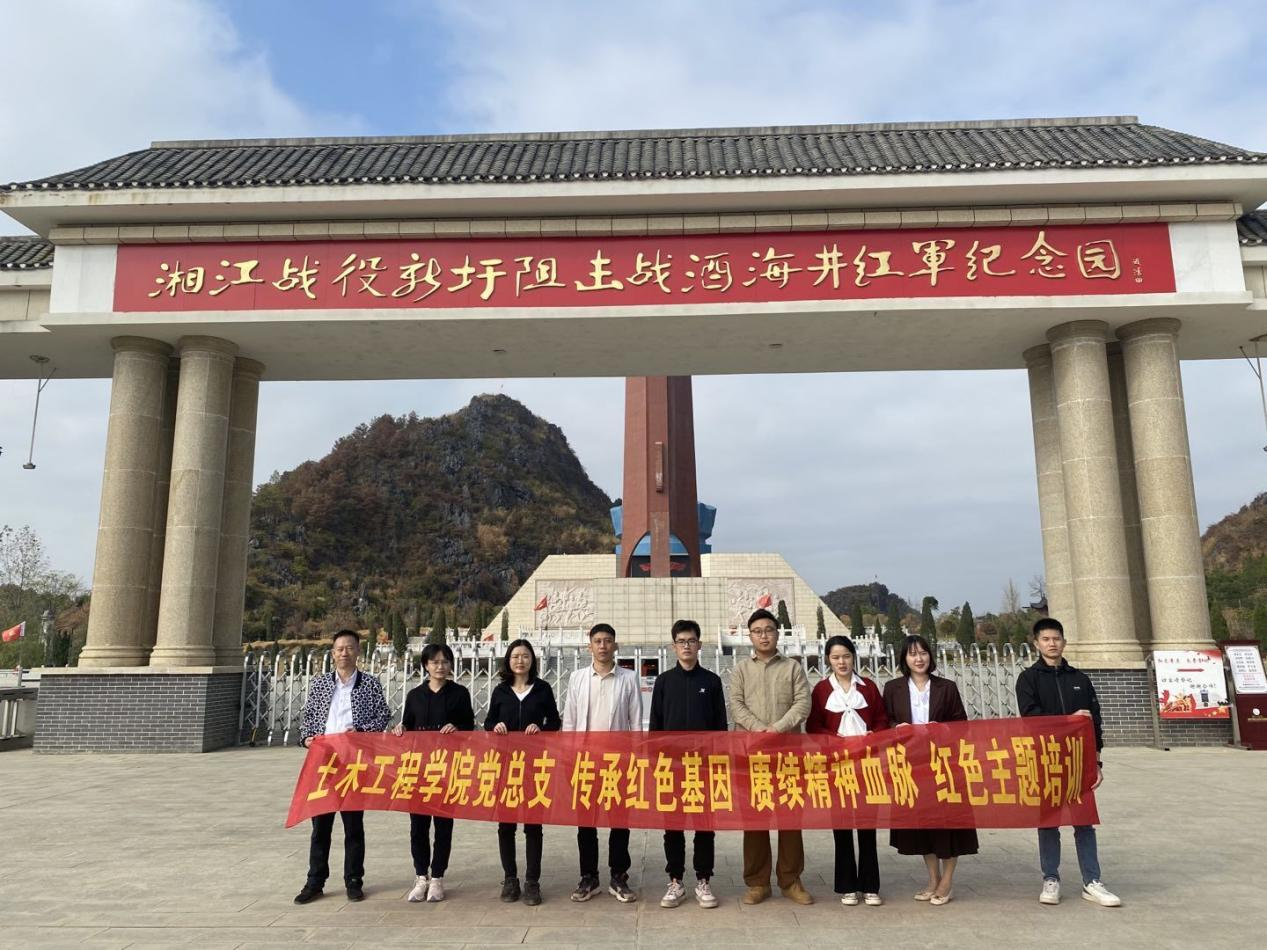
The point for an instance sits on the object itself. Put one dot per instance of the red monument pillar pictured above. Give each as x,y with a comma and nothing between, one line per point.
659,492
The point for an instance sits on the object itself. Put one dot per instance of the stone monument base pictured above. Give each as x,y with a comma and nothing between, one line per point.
1127,702
138,709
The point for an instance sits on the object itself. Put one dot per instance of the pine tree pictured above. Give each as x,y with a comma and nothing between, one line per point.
1218,624
927,623
506,624
785,621
967,632
400,640
879,629
820,629
1260,624
856,627
893,626
439,627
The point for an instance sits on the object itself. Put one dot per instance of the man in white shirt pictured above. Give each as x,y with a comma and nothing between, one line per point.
603,697
343,701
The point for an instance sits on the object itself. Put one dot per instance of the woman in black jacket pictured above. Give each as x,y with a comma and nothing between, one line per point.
443,706
521,702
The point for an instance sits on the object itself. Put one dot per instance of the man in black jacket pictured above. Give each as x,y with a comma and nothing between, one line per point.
688,698
1051,687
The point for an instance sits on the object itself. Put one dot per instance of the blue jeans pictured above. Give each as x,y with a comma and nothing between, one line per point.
1084,841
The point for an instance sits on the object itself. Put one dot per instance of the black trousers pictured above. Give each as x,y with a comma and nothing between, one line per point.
863,876
617,851
506,845
353,848
675,854
425,860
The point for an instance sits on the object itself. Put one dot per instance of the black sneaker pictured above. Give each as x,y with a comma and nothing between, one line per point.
308,894
586,889
510,890
532,893
355,893
620,889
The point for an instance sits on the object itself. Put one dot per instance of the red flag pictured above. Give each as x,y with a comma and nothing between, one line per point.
543,603
13,633
764,601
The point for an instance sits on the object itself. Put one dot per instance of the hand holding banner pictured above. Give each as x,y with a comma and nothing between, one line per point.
1002,773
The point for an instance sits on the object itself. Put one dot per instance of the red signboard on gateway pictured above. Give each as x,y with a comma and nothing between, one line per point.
645,271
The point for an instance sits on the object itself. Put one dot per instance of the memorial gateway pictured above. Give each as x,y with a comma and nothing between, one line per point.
1097,253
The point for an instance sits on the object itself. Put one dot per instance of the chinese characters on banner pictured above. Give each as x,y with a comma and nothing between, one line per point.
1006,773
1190,684
644,271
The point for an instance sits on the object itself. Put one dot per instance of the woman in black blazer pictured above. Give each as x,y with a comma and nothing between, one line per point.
918,697
521,702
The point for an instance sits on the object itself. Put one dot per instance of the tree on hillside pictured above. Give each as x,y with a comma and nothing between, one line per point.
400,639
1218,624
857,628
927,622
966,633
439,627
879,629
785,621
820,626
1260,624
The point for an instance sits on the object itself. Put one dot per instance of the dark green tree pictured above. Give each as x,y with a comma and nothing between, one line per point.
927,622
1260,624
879,628
856,627
785,621
439,627
966,634
1218,624
820,628
893,626
506,624
59,651
400,637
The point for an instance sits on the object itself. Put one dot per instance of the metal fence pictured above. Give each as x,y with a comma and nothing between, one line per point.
275,686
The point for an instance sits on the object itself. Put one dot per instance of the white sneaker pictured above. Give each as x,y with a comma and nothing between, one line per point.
1097,893
850,899
419,892
872,900
435,890
1050,893
704,894
674,895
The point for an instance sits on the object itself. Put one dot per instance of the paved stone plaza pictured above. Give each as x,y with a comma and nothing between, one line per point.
153,851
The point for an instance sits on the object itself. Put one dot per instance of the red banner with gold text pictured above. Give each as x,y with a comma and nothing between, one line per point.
999,773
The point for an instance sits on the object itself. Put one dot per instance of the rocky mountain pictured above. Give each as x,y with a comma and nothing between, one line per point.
1228,544
873,597
454,511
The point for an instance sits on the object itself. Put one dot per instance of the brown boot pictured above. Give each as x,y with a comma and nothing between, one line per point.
756,894
796,893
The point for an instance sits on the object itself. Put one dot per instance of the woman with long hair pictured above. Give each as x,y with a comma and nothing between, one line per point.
437,705
846,704
918,697
521,702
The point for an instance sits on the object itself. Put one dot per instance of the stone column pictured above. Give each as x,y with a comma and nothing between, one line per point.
1093,501
192,548
235,519
120,575
162,488
1130,497
1052,518
1163,474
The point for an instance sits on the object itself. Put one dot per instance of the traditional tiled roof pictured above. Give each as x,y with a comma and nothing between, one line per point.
1252,228
835,150
25,253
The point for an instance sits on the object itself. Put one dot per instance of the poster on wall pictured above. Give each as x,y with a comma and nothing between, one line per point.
1247,669
1190,684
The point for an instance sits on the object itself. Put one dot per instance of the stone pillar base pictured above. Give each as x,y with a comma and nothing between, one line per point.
138,709
1126,706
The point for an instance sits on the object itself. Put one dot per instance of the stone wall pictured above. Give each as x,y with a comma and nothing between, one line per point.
137,711
1126,704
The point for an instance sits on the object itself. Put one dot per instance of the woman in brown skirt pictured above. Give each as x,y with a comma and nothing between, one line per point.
918,697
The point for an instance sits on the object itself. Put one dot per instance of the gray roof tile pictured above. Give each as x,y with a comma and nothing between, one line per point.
1252,228
25,253
570,156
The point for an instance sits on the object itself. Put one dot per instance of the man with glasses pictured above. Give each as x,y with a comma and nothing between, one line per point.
770,693
688,698
602,697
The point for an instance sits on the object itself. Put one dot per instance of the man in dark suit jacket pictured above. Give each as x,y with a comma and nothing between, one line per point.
346,700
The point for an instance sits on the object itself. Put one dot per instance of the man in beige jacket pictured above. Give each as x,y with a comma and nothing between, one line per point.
770,693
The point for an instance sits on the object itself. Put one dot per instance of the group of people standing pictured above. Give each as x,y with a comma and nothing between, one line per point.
768,693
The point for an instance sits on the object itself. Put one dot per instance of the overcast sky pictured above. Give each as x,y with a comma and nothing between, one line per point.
924,481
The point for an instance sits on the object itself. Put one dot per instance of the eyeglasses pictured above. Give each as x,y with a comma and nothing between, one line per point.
764,633
692,642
